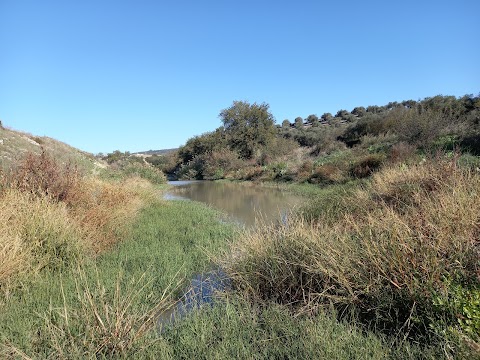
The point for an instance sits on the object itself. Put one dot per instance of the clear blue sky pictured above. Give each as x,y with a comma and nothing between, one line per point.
136,75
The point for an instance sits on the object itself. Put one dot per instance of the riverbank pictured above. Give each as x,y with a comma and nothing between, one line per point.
106,306
382,269
397,255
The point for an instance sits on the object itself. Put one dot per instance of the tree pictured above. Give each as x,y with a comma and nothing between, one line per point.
374,109
409,104
298,122
359,111
312,120
342,114
327,117
202,144
248,127
286,124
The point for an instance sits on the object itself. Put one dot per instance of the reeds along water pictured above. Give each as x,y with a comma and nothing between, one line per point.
391,248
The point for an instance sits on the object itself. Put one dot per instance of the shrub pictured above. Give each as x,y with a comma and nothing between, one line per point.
365,166
166,163
401,152
191,170
42,175
218,163
305,171
49,212
326,174
421,129
144,171
279,147
471,144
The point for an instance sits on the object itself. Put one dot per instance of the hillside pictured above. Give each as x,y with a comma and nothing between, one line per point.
155,152
15,144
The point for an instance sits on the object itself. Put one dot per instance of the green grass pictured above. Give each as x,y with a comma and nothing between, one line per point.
236,329
106,307
169,243
57,315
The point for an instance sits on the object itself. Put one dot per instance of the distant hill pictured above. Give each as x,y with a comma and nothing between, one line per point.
15,144
155,152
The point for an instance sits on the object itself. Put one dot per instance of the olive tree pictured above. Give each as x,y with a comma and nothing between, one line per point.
248,127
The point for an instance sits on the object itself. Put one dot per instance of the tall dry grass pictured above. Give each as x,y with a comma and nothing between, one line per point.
103,324
34,233
106,210
50,213
385,258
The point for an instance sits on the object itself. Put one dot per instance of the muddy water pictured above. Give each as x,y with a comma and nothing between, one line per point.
243,203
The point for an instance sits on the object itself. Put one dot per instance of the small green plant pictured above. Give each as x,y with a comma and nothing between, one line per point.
463,304
279,169
446,143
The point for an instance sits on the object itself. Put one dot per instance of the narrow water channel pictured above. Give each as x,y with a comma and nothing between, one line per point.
245,204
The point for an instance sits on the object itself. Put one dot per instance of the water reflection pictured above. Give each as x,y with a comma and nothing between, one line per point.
245,203
202,290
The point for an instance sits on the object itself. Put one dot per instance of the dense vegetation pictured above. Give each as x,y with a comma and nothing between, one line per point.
382,262
327,149
390,243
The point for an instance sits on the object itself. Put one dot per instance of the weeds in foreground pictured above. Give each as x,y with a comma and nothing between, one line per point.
384,260
99,321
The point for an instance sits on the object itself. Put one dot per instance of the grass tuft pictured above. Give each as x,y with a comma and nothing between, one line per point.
383,260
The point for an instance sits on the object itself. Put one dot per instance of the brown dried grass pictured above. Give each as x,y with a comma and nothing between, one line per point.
384,258
51,213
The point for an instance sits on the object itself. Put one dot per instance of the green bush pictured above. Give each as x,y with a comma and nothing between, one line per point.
144,171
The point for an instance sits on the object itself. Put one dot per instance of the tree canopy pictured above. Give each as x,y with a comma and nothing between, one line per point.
248,127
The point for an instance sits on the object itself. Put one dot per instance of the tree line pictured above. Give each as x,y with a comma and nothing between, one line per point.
249,137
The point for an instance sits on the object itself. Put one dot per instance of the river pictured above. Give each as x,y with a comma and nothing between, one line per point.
244,203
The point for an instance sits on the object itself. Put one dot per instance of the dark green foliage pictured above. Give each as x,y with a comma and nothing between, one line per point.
298,122
471,144
436,123
167,163
359,111
342,114
248,127
312,120
203,144
327,117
